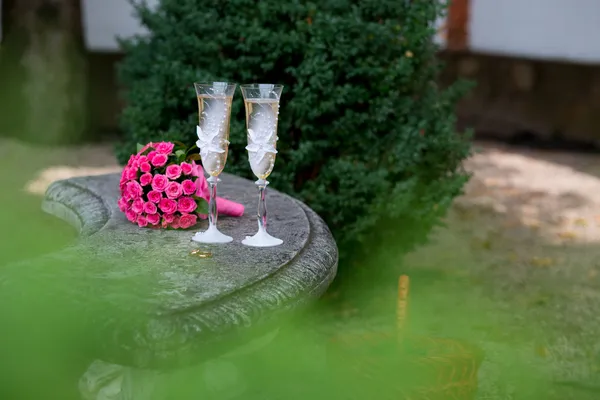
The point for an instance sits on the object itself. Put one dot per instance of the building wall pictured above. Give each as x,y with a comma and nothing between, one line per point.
536,62
516,97
540,29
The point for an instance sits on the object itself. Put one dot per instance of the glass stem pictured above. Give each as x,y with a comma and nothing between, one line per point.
212,203
262,205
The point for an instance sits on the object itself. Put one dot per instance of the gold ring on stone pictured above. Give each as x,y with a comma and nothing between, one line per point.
200,254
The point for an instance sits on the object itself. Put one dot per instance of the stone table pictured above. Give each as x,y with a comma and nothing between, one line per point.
157,307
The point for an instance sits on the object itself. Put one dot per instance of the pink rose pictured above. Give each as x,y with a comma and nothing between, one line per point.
154,196
131,216
173,190
132,173
187,220
202,188
128,194
123,204
150,208
168,206
131,158
168,218
145,167
142,221
197,169
186,168
175,223
173,171
151,155
164,148
186,205
159,160
188,186
146,179
153,219
134,189
138,205
159,182
146,147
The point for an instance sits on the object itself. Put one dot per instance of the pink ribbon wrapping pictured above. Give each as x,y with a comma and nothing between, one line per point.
224,206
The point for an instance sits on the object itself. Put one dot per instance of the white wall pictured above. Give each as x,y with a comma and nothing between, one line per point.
104,20
440,37
545,29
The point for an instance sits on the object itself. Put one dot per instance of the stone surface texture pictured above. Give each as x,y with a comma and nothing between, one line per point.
158,306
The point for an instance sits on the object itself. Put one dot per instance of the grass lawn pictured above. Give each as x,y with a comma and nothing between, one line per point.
531,304
527,292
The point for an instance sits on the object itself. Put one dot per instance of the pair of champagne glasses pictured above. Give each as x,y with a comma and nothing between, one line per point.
262,111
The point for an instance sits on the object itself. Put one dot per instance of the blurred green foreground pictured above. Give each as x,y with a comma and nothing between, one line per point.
538,332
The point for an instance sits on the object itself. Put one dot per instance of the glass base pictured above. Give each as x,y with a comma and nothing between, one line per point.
262,239
211,235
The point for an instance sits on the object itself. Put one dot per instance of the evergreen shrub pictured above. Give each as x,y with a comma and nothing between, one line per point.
366,136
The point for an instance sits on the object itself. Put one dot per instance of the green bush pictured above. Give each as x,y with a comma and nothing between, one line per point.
367,138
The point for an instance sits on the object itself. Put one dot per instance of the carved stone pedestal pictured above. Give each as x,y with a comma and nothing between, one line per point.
158,313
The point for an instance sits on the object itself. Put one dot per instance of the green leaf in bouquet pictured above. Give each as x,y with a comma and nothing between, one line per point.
179,145
202,205
192,148
193,157
180,155
139,147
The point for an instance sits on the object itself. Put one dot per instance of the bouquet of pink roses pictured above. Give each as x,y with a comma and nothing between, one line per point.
163,187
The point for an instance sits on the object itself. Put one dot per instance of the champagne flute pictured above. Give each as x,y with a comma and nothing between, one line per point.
214,106
262,112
